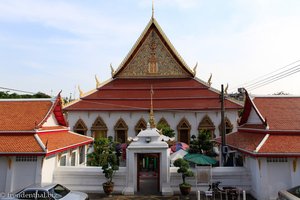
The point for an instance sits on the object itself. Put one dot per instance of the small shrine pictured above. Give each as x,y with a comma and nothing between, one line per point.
148,155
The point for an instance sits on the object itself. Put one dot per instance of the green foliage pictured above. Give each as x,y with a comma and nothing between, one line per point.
166,130
7,95
184,169
104,155
202,143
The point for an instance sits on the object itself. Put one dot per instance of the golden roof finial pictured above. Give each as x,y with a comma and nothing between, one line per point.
226,89
80,92
195,69
112,70
209,80
151,114
97,81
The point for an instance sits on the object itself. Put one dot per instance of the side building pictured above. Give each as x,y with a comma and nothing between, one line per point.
153,69
268,138
34,140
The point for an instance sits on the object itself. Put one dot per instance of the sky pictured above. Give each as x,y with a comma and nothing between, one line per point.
53,45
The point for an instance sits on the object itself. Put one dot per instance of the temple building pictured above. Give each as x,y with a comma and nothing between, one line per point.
153,69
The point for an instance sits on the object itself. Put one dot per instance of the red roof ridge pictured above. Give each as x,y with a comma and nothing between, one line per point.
55,103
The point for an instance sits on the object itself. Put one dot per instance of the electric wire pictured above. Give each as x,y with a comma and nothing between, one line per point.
262,81
271,80
16,90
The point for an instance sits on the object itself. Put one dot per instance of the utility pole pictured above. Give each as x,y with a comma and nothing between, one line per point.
223,139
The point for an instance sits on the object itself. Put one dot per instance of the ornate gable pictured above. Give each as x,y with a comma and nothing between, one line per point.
153,55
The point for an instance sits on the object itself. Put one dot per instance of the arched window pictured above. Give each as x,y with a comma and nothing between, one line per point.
184,129
99,128
207,124
228,126
121,129
163,122
141,124
80,127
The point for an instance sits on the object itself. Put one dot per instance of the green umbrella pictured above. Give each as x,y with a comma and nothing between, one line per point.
200,159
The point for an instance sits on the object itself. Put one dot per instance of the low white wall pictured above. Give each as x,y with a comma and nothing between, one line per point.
90,179
228,176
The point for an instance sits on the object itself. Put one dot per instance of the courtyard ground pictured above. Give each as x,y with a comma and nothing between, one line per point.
192,196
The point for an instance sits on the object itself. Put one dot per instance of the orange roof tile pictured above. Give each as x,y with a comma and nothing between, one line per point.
63,140
281,113
281,144
244,141
22,115
19,143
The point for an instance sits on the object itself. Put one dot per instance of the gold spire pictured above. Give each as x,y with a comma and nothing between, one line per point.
151,115
152,9
97,81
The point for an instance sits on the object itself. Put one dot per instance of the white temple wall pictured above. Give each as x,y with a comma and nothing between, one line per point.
132,118
49,165
3,171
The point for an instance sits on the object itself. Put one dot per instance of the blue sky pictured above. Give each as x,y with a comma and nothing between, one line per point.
53,45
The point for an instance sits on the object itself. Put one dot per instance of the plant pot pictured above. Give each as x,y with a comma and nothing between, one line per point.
185,189
108,188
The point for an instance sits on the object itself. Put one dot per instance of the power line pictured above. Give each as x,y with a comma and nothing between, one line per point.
261,80
16,90
268,81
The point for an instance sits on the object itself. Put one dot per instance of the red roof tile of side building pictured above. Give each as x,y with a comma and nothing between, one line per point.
29,114
22,115
169,94
19,143
279,131
243,140
281,144
60,141
281,113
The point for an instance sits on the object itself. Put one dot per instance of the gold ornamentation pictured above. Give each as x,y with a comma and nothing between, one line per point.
139,64
97,82
80,92
151,117
112,70
209,80
226,89
195,69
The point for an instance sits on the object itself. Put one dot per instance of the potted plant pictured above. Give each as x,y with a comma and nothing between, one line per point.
105,155
184,169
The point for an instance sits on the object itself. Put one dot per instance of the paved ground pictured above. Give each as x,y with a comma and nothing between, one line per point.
193,196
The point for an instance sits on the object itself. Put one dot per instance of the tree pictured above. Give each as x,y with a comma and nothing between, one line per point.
7,95
166,130
202,143
104,155
184,169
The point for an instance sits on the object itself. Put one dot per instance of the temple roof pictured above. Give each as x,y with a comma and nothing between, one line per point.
169,94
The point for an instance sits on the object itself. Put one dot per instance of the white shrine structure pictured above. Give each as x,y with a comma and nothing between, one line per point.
148,141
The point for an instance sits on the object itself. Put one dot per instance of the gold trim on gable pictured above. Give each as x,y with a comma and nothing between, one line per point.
153,55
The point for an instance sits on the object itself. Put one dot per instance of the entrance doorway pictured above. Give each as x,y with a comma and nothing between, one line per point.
148,173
